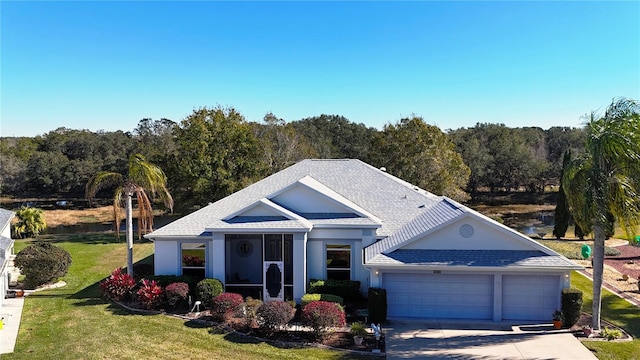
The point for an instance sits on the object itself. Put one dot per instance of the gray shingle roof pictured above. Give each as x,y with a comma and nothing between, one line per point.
394,201
5,217
472,258
435,215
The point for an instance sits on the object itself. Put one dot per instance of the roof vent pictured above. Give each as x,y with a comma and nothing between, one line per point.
383,169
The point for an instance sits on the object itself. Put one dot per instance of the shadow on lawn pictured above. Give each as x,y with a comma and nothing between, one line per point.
90,238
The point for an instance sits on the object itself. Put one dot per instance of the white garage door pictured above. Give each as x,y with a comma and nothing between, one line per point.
530,297
431,295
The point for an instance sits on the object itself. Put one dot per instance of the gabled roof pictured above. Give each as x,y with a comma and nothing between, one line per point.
378,200
389,251
474,259
5,217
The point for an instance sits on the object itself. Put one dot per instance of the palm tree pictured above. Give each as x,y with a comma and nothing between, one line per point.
606,181
31,222
143,179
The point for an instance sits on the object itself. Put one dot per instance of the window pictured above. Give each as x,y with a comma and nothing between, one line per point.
339,262
193,258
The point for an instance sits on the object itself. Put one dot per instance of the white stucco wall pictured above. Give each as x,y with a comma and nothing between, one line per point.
166,257
484,237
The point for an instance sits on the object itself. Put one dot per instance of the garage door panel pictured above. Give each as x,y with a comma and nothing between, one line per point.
529,297
439,295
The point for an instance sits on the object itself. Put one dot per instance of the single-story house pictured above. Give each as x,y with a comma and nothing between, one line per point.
344,219
6,250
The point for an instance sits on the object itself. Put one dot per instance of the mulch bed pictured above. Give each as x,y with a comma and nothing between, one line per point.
628,262
587,319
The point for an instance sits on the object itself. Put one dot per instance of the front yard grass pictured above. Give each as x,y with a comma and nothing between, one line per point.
617,311
75,322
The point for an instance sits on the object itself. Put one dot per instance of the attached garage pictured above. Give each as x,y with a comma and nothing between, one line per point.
530,297
436,295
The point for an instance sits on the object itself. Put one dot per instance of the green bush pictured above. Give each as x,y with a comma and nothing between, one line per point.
307,298
347,289
42,263
571,305
611,334
377,304
208,289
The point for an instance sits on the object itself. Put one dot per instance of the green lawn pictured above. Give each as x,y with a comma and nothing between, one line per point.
75,322
617,311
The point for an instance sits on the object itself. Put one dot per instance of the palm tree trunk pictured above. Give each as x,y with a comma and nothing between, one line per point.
598,265
129,217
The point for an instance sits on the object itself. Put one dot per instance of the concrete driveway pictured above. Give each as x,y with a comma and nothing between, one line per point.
450,339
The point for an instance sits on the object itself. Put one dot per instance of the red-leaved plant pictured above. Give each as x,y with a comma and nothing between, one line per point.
224,304
150,294
321,316
274,315
118,285
176,293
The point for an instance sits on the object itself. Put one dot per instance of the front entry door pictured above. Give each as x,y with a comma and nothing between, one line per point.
273,281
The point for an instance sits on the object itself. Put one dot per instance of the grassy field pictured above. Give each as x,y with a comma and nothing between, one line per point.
75,322
616,311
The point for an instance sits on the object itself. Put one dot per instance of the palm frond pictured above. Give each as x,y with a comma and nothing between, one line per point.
100,181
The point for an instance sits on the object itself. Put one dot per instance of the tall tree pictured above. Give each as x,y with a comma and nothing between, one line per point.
607,180
422,155
281,143
562,213
217,155
144,181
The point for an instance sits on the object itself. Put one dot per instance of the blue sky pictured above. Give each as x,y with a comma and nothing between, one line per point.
106,65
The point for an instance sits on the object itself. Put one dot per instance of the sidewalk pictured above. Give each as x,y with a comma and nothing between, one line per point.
11,313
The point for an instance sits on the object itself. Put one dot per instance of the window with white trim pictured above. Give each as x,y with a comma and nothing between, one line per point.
193,259
339,262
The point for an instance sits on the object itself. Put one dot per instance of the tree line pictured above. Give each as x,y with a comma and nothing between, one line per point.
214,152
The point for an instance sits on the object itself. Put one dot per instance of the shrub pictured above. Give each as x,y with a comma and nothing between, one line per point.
150,294
176,293
307,298
42,263
207,290
251,309
224,304
118,285
611,334
571,305
321,316
347,289
611,251
377,304
274,315
358,329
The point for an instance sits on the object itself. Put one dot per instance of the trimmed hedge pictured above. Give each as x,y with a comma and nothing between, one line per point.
207,290
307,298
321,316
42,263
274,315
225,303
349,290
571,305
377,304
